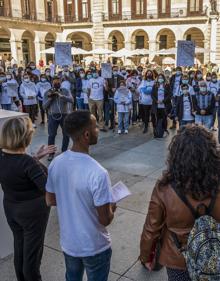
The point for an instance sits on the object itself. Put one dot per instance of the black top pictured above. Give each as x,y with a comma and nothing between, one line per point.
21,177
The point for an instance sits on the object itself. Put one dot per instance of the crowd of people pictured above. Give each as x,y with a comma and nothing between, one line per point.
130,96
183,210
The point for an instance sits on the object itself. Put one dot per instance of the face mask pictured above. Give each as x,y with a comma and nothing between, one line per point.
185,91
95,75
160,80
185,81
26,80
89,76
214,80
192,76
43,79
32,67
47,73
66,73
178,73
203,89
2,79
8,77
139,72
123,72
56,85
199,76
208,78
82,75
115,73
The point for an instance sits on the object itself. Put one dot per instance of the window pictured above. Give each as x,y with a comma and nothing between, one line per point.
189,37
195,6
164,8
115,11
2,8
49,10
28,9
139,42
115,7
85,13
139,7
69,10
114,44
163,42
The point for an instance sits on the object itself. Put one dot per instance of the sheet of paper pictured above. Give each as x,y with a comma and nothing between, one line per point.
120,191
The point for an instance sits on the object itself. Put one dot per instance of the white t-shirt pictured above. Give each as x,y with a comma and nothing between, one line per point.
161,97
80,184
97,88
187,116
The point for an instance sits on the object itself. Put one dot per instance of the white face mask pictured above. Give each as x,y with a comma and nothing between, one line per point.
26,80
47,73
82,75
185,91
8,77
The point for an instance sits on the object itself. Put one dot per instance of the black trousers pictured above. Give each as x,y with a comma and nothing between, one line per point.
160,114
145,110
53,123
28,222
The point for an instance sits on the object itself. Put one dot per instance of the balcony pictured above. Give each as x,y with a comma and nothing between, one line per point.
153,14
5,12
73,19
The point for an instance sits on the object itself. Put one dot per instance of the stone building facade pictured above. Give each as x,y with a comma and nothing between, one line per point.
29,26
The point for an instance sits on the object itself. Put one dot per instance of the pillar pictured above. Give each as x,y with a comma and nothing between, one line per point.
213,35
39,46
153,47
16,51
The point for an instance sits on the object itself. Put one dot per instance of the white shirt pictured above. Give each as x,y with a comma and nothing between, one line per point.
214,88
97,87
85,91
80,184
187,116
161,97
28,89
145,90
176,87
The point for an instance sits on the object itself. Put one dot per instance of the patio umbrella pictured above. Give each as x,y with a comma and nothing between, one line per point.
122,53
168,60
101,51
48,51
140,52
78,51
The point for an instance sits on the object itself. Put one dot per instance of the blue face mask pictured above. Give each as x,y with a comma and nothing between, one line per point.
95,75
160,80
89,76
185,81
178,73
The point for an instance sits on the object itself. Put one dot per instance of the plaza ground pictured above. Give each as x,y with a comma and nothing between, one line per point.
138,161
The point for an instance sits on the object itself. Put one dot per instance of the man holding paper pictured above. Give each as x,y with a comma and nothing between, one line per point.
84,202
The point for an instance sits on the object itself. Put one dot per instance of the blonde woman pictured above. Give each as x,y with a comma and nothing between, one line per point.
23,180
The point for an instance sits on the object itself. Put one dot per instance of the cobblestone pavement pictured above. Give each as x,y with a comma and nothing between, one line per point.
138,161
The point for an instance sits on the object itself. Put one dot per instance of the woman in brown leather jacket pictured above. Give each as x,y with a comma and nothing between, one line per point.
194,166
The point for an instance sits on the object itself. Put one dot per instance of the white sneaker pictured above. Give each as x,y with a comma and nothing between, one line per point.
119,132
126,132
34,126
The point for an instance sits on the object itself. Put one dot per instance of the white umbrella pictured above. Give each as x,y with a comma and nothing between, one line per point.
140,52
171,51
200,50
48,51
79,51
101,51
168,60
122,53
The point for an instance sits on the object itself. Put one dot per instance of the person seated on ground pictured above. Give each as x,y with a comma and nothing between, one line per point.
192,173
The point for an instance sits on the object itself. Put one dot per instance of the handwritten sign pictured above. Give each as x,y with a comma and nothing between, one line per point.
63,54
106,70
185,53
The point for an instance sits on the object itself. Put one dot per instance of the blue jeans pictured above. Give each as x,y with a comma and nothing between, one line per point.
6,106
53,123
97,267
205,120
80,103
123,120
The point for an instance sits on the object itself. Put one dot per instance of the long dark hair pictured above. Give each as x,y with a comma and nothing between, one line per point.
193,163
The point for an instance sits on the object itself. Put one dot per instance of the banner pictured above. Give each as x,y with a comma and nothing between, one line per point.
106,70
185,53
63,54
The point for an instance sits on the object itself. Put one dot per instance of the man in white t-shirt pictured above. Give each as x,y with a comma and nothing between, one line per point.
81,189
96,88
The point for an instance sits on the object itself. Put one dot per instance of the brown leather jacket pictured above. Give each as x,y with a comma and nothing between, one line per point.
168,213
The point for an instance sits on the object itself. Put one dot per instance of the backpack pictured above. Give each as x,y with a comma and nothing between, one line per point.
202,252
159,130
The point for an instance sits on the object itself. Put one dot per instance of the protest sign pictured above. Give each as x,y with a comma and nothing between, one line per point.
63,54
185,53
106,70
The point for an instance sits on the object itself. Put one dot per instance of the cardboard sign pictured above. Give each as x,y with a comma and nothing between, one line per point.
106,70
63,54
185,53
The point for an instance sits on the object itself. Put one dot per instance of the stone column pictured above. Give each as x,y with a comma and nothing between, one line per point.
39,46
213,35
153,47
98,29
16,51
